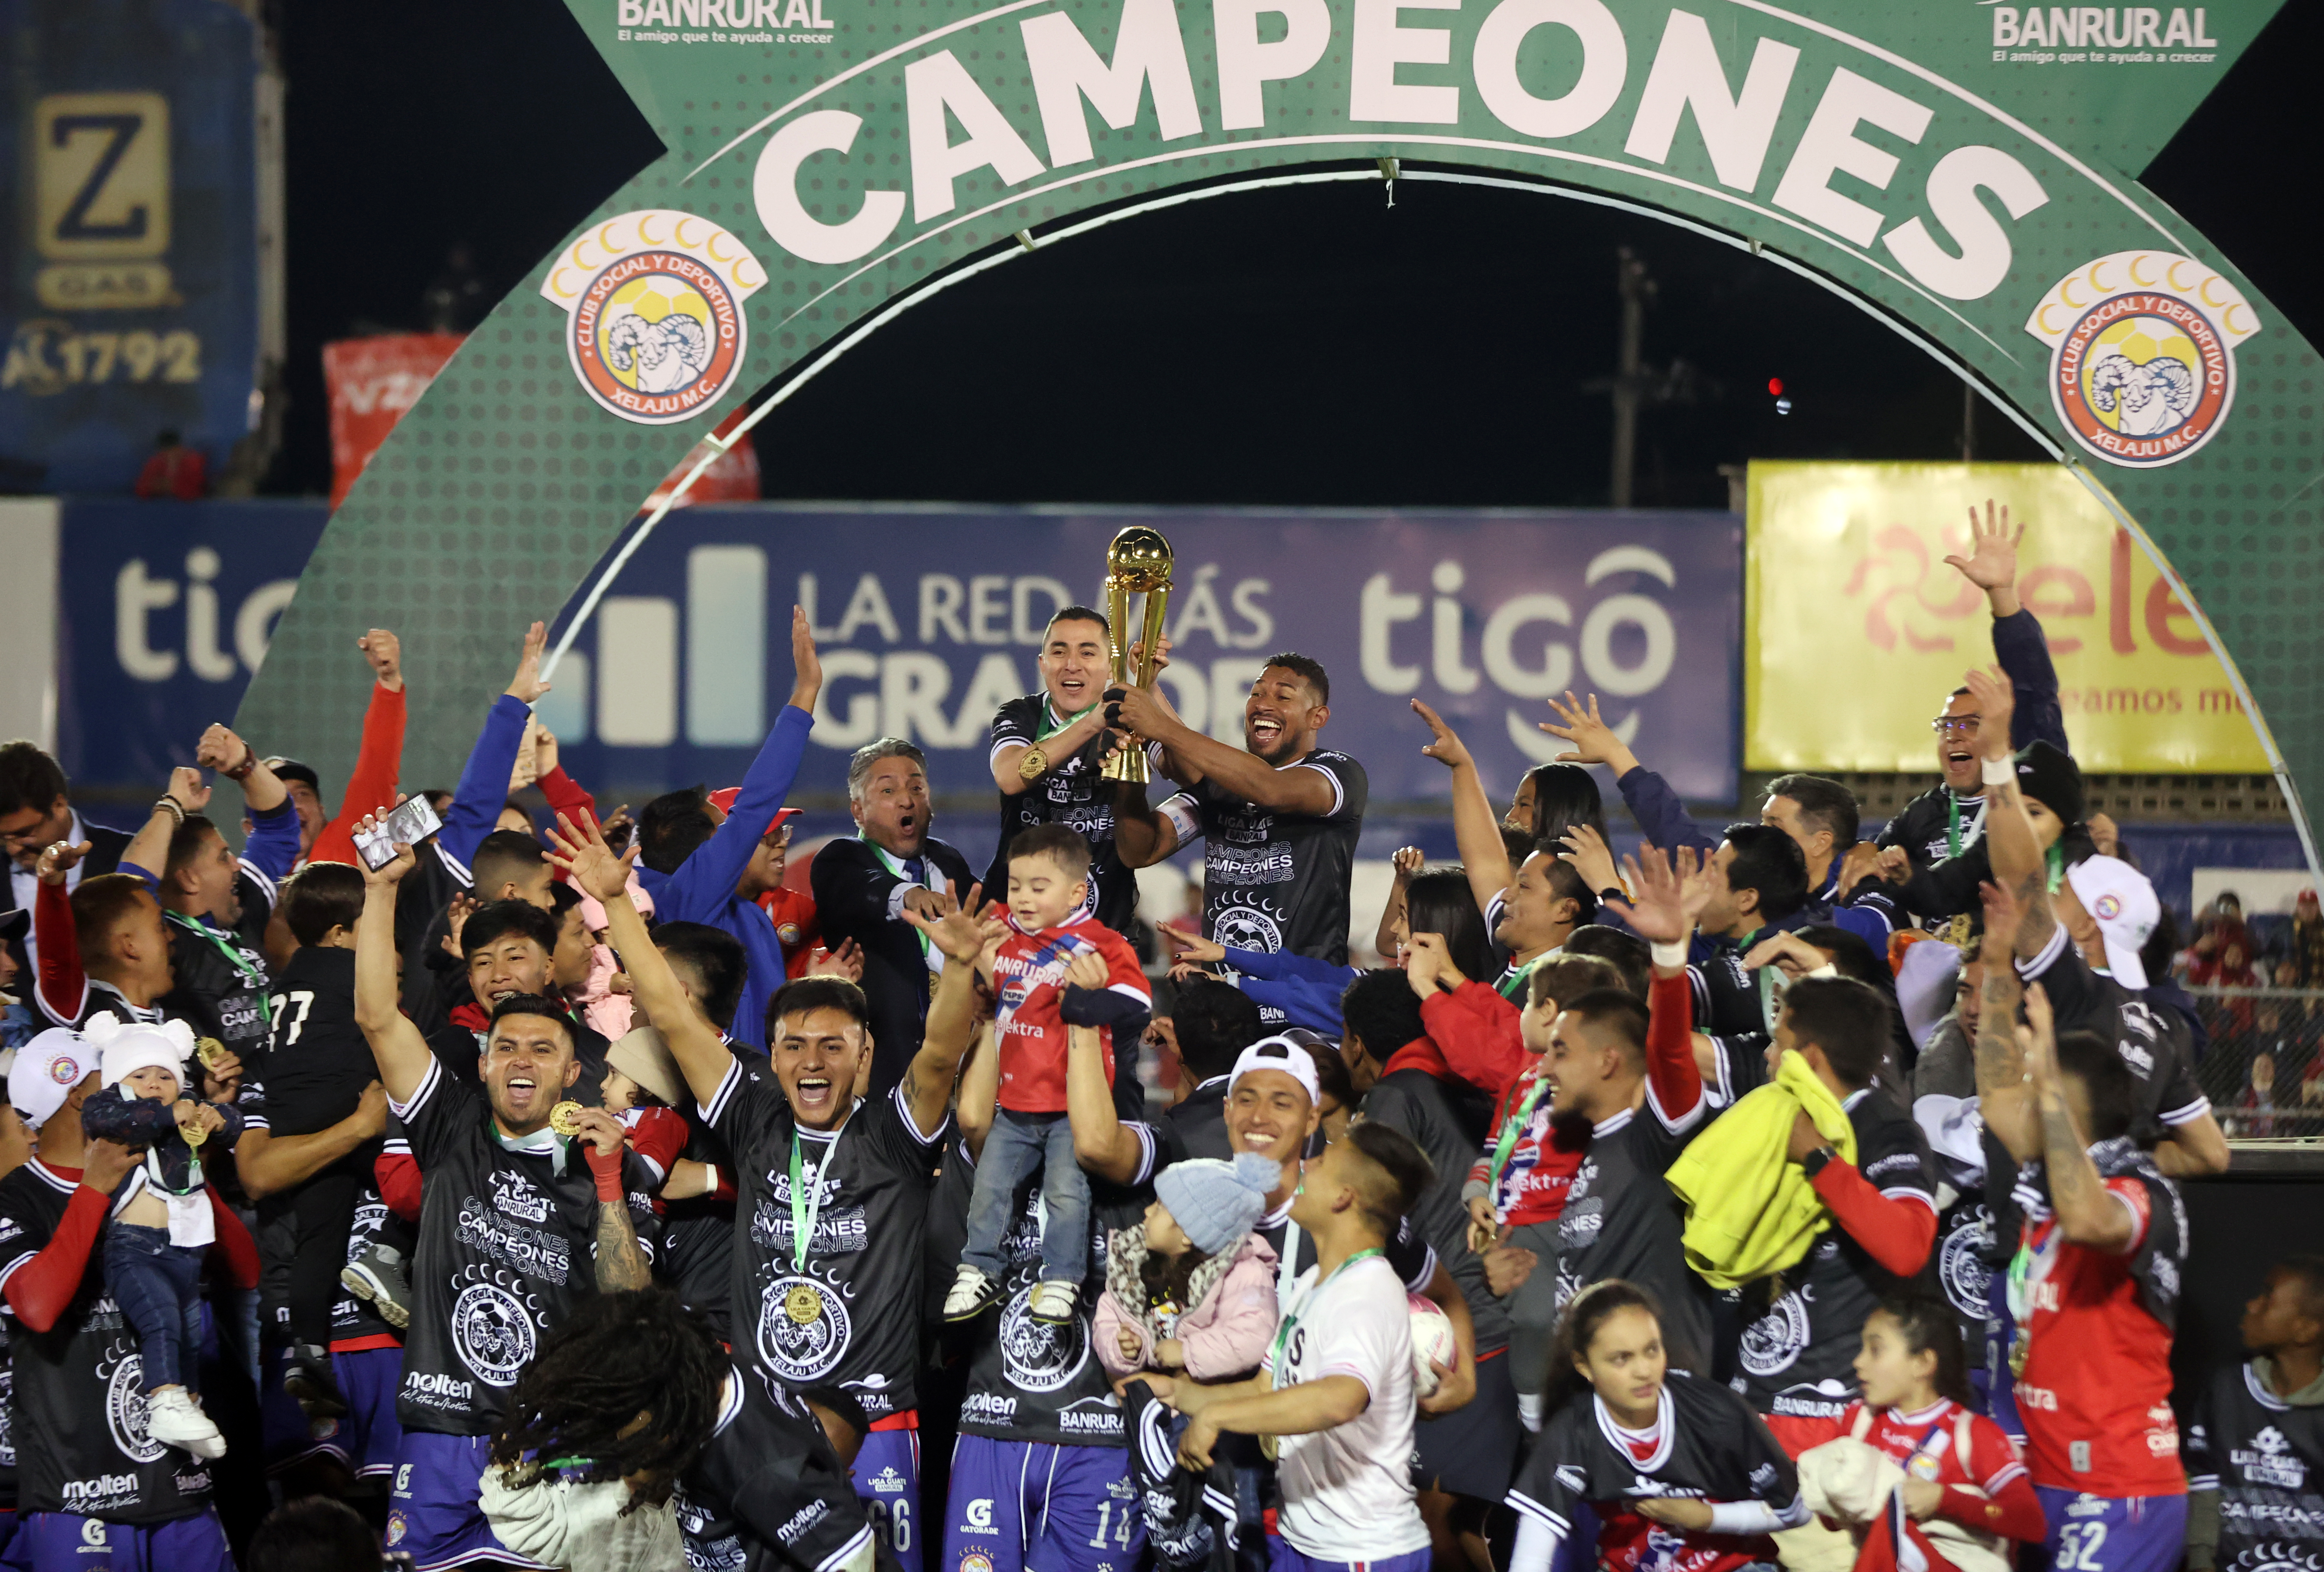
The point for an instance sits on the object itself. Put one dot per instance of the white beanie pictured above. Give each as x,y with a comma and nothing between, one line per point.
134,1045
45,1073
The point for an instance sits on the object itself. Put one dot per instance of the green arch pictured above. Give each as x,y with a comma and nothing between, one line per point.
1944,165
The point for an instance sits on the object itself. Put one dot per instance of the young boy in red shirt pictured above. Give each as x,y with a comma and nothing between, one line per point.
1048,879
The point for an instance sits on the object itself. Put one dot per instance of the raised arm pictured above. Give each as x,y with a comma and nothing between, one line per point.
62,985
396,1044
147,855
482,791
1664,912
371,785
1476,828
593,868
1142,835
2017,861
1148,714
2018,642
1652,803
2087,1212
2004,1099
953,1010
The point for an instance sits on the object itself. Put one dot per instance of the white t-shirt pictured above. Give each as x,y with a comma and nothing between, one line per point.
1347,1491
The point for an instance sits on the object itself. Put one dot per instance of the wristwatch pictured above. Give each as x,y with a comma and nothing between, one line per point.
1613,892
1814,1162
1032,763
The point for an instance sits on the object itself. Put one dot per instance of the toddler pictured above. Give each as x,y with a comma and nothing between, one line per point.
1191,1290
162,1224
643,1088
1050,928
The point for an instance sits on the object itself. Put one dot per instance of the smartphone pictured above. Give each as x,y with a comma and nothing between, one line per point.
412,823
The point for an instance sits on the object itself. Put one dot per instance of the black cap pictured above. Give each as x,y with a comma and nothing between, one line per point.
2051,779
290,770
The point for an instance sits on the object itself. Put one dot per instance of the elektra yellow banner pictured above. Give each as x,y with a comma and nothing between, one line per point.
1856,629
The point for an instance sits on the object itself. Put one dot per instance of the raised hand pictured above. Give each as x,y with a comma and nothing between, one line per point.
846,962
1445,746
1992,560
804,662
384,651
1789,952
187,790
1996,702
220,748
2037,1038
526,687
1408,862
601,1129
392,870
1663,910
544,750
1429,965
1591,858
581,853
953,928
1161,655
455,918
58,859
1594,740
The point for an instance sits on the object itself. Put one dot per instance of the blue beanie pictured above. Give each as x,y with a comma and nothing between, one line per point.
1216,1203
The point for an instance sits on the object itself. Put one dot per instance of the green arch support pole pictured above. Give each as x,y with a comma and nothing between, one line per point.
1964,171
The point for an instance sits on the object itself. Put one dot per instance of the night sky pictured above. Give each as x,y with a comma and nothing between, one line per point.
1306,346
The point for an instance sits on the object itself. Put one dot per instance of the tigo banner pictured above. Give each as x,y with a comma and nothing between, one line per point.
1857,630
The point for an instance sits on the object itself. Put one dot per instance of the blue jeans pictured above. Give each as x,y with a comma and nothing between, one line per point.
1019,1144
158,1287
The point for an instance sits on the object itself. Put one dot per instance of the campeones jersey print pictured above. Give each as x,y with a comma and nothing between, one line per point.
1277,881
1070,792
2266,1460
850,1316
505,1252
79,1409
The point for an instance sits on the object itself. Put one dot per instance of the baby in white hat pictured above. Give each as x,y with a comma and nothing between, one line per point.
162,1224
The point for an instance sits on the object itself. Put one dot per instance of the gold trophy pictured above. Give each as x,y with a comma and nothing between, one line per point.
1136,562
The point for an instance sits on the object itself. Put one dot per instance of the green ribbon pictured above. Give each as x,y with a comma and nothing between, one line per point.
1291,1317
803,1212
251,974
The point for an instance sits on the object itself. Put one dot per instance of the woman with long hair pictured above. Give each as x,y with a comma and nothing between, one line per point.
1676,1470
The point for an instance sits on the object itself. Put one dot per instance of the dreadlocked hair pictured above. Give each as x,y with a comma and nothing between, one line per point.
630,1386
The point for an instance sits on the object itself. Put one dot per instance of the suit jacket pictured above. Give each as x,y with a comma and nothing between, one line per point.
851,888
106,846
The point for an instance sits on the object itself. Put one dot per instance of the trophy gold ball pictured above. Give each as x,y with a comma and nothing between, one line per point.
1138,562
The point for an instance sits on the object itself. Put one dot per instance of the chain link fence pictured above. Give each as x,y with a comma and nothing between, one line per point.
2264,1071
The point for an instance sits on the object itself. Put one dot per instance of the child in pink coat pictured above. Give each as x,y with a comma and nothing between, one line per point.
1191,1290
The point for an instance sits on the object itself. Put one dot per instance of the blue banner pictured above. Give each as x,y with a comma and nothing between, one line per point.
164,611
929,620
130,300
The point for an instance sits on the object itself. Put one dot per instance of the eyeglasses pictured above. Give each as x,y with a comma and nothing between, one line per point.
1947,725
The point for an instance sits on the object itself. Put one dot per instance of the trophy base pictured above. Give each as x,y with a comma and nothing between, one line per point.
1129,766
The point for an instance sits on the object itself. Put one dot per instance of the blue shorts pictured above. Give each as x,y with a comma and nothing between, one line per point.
886,1475
435,1514
369,1436
63,1541
1032,1506
2000,1384
1283,1557
289,1437
2110,1533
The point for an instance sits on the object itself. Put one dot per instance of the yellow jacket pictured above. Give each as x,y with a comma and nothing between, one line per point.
1750,1211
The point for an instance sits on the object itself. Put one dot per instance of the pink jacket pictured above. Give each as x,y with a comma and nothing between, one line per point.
1225,1334
608,1012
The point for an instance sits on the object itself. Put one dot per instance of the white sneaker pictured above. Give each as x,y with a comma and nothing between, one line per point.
972,1290
172,1418
1054,1302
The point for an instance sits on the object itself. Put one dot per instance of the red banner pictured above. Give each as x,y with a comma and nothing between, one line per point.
371,383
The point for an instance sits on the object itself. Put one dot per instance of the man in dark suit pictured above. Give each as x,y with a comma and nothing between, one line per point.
863,886
35,813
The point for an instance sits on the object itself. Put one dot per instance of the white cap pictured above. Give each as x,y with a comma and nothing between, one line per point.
1279,1054
130,1046
2121,901
46,1070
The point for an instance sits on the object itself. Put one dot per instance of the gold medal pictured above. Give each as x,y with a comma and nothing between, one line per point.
1270,1447
803,1304
565,1119
195,1134
1031,764
2020,1346
209,1051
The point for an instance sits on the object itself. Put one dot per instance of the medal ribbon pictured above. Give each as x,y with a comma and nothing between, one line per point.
248,973
1049,714
927,880
804,1211
1952,825
1511,1127
1291,1316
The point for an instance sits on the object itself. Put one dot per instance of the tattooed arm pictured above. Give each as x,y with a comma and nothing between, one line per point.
2018,866
2005,1096
2089,1213
621,1259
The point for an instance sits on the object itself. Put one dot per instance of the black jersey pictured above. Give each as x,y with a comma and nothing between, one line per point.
2153,1042
1071,793
2265,1459
1028,1380
1963,1256
78,1389
504,1251
1798,1358
849,1315
1710,1445
1730,1001
767,1493
1277,881
1448,1122
219,985
318,1060
1622,1219
7,1414
1927,826
1738,1064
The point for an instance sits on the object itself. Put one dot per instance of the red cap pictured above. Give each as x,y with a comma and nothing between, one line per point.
724,800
